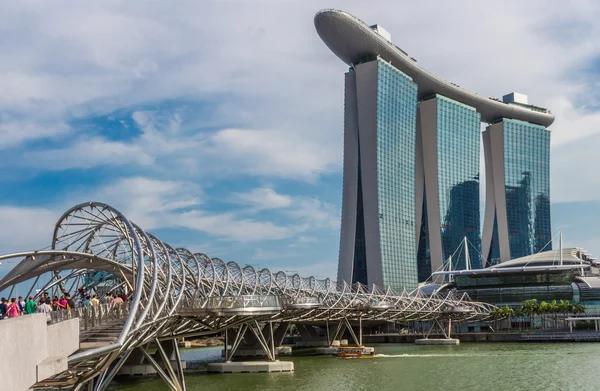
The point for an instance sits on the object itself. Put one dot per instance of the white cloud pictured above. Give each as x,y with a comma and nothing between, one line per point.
228,226
150,203
271,255
274,93
273,75
14,132
88,153
154,204
274,153
25,229
308,212
263,198
574,171
316,213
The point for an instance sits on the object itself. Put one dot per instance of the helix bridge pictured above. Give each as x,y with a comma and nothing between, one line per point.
174,293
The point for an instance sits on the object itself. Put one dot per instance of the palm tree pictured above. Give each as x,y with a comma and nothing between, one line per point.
564,307
531,308
543,309
578,308
508,313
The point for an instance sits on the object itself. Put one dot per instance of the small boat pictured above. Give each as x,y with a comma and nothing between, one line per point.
355,352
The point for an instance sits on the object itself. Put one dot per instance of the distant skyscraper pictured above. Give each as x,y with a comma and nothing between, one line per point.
411,164
447,192
517,216
378,214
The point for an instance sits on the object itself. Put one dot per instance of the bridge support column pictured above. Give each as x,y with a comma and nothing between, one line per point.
338,333
279,334
360,331
310,336
446,332
357,341
268,348
254,343
104,379
179,366
266,342
175,381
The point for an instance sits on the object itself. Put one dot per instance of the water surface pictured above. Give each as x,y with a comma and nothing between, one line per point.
475,366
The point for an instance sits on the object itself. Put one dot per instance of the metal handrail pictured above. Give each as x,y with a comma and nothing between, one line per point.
92,316
244,301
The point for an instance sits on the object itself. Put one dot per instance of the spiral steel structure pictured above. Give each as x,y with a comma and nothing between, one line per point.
176,293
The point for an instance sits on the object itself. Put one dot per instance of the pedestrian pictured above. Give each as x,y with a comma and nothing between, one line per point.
85,302
117,299
108,298
21,304
44,308
3,308
13,308
62,303
55,304
95,301
46,296
70,302
30,306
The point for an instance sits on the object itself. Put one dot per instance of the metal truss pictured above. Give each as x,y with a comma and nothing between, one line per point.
176,293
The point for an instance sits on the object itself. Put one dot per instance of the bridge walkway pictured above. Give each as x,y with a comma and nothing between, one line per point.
98,327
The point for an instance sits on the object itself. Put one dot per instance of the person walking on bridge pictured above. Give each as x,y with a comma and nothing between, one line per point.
13,308
70,301
30,306
3,308
62,303
21,304
117,299
44,308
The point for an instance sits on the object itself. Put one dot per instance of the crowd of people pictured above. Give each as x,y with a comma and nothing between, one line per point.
46,305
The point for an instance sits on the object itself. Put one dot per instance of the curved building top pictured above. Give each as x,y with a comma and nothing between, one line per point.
352,40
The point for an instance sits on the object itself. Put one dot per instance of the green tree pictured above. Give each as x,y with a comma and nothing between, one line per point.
530,308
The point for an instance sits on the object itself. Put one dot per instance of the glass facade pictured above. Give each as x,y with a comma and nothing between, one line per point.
423,249
359,270
493,257
396,134
457,149
527,187
514,288
458,146
388,144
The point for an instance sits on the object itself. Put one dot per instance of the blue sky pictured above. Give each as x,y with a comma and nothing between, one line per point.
218,125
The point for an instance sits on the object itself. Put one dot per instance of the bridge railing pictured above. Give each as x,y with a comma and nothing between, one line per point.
244,301
302,302
237,304
91,317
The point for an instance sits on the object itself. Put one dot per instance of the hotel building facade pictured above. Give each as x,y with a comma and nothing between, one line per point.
411,166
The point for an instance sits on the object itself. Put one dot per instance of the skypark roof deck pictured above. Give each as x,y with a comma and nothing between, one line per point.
352,40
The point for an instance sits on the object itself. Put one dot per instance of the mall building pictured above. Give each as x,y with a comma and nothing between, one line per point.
569,274
411,180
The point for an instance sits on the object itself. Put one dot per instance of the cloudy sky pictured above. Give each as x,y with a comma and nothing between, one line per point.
218,125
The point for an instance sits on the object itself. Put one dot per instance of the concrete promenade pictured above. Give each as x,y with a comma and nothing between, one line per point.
33,351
